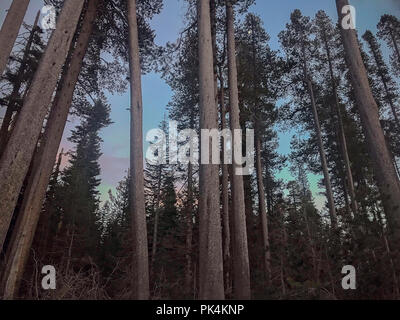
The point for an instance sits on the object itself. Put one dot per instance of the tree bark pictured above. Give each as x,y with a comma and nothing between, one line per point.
211,261
17,156
140,279
241,275
384,170
9,30
44,160
11,108
225,197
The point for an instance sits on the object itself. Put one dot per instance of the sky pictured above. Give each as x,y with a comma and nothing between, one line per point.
156,93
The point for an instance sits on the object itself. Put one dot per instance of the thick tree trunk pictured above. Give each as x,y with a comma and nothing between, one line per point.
17,156
140,279
384,170
263,214
44,160
211,261
241,280
11,108
9,30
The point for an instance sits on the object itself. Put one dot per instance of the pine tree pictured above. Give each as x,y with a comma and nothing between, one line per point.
389,30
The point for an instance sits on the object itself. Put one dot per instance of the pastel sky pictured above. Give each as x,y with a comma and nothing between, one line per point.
156,93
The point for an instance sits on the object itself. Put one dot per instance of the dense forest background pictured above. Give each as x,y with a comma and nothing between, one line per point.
186,231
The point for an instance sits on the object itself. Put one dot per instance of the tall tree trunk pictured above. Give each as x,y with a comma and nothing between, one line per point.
44,160
384,170
140,279
17,156
324,163
225,196
341,132
189,233
241,280
11,108
211,261
9,30
156,218
263,213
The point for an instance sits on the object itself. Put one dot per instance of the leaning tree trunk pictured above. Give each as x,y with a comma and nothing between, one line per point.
140,272
341,133
9,30
324,163
17,156
384,170
4,131
43,162
241,280
211,262
318,132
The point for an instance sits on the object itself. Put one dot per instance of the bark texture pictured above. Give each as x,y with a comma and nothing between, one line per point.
211,262
140,272
17,156
241,280
43,162
9,30
388,183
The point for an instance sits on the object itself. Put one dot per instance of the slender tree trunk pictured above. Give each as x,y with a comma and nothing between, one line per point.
211,262
156,218
324,163
189,233
5,125
225,197
17,156
263,214
341,132
44,160
140,279
9,30
385,174
241,275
